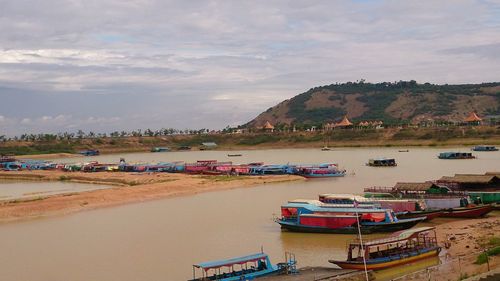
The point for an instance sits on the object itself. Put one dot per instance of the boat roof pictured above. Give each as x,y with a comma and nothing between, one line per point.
395,237
322,207
231,261
381,159
344,196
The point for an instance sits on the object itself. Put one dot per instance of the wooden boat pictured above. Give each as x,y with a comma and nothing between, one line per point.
484,148
467,212
243,268
325,218
382,162
234,155
184,147
404,150
320,172
325,148
428,214
398,249
456,155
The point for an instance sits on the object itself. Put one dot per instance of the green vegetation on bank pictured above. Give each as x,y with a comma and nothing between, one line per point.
494,249
350,137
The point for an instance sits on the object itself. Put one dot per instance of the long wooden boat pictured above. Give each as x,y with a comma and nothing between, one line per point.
467,212
398,249
242,268
325,218
428,214
320,172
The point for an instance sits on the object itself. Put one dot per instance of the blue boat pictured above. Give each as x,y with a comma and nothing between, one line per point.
269,170
320,172
484,148
89,152
160,149
456,155
242,268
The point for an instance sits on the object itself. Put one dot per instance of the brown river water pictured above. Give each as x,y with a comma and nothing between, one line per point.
160,240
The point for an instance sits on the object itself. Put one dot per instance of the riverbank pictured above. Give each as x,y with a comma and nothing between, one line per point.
390,137
127,188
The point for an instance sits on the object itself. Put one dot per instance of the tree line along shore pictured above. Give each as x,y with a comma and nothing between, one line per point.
434,136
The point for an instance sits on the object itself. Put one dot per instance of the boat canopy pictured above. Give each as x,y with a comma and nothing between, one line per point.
395,237
229,262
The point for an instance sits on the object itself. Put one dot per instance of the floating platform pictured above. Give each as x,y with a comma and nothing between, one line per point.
321,273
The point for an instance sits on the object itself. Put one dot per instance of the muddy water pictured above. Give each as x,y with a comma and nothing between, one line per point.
159,240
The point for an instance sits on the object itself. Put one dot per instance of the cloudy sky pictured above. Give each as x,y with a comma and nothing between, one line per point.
106,65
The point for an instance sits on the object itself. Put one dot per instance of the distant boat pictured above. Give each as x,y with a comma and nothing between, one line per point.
160,149
234,155
456,155
89,152
484,148
320,172
325,148
382,162
184,147
243,268
400,248
404,150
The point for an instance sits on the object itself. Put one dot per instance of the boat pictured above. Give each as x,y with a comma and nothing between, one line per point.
485,197
400,248
484,148
160,149
467,212
184,147
382,162
89,152
456,155
320,172
404,150
325,148
243,268
395,204
316,217
428,214
234,155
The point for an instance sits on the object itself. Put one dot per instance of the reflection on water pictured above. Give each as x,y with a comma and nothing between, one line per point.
160,240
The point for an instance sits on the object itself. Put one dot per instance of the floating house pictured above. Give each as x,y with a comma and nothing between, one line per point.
487,182
420,187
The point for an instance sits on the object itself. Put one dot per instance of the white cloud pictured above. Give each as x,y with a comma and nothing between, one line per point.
93,64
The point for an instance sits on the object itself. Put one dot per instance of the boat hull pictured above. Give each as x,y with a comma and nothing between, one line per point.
365,227
386,262
319,176
473,212
429,215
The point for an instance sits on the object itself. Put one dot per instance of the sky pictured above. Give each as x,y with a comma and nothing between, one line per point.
112,65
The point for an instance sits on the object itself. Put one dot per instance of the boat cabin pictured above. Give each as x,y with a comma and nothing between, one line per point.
239,268
382,162
456,155
400,248
485,148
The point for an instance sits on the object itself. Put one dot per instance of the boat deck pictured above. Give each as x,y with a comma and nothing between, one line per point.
319,273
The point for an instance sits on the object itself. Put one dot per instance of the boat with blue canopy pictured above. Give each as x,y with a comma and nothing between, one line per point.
243,268
456,155
484,148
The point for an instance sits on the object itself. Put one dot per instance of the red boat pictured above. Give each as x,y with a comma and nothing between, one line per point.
467,212
429,215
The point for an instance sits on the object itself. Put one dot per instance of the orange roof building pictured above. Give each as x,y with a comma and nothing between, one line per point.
473,118
344,123
268,127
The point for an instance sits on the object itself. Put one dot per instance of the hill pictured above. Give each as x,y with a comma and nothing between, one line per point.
397,102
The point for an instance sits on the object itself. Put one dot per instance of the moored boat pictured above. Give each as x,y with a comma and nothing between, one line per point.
89,152
320,172
467,212
234,155
314,216
484,148
160,149
456,155
243,268
400,248
428,214
382,162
